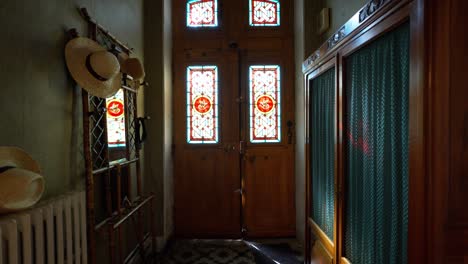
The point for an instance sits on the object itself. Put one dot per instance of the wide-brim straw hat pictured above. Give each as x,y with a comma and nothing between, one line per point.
78,52
134,68
21,185
14,157
20,189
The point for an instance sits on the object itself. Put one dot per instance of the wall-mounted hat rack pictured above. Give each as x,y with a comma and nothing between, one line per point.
120,216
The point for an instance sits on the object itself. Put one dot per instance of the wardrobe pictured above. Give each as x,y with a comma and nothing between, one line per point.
386,137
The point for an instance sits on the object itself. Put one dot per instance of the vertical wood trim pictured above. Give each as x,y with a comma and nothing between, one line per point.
307,171
340,142
417,177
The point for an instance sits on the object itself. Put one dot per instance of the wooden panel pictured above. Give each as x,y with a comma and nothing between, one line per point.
448,131
457,237
206,202
269,192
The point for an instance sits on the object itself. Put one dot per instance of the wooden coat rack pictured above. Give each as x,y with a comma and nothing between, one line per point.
122,203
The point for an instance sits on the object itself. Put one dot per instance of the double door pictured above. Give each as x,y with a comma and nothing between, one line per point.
233,144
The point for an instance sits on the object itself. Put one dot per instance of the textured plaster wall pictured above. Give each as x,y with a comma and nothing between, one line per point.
307,40
40,106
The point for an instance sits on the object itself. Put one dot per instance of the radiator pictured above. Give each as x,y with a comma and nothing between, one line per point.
53,232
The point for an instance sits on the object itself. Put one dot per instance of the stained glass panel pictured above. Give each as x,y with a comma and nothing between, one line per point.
202,104
264,13
202,13
116,120
265,102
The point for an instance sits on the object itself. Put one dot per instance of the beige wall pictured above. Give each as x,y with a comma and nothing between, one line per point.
40,105
158,51
307,41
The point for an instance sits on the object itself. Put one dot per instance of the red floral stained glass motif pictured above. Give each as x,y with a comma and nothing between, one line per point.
264,13
265,98
202,13
202,104
116,120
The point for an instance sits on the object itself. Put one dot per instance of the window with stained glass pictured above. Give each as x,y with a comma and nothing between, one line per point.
116,120
265,104
202,13
202,104
264,13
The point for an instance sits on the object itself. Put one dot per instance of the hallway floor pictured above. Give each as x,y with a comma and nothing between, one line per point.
232,252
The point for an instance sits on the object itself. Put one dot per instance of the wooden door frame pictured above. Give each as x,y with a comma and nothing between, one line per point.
234,33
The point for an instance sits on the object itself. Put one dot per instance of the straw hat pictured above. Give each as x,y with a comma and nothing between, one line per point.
13,157
134,68
19,189
21,185
94,68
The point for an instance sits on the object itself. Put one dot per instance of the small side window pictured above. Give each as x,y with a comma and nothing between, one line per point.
202,13
264,13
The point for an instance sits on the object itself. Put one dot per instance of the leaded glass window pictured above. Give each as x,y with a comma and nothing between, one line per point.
265,102
202,13
264,13
116,120
202,104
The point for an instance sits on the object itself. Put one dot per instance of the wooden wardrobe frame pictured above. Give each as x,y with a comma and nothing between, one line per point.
372,21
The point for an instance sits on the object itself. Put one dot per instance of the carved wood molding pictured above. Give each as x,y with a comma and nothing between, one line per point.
370,9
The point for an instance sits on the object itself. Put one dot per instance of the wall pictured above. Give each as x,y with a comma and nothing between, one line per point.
40,106
158,51
307,40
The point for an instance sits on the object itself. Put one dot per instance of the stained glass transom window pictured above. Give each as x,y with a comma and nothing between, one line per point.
202,13
264,13
265,102
202,104
116,120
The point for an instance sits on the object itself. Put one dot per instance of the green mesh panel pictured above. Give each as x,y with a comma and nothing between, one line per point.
322,129
376,212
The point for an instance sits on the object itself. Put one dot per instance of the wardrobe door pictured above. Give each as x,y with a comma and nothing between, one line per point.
322,165
376,150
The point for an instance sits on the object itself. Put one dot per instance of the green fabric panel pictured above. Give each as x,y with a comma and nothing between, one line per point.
322,129
376,198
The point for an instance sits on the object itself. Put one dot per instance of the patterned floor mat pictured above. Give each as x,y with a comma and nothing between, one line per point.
208,252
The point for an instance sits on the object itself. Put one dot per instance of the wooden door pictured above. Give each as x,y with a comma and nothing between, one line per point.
268,159
207,171
233,186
